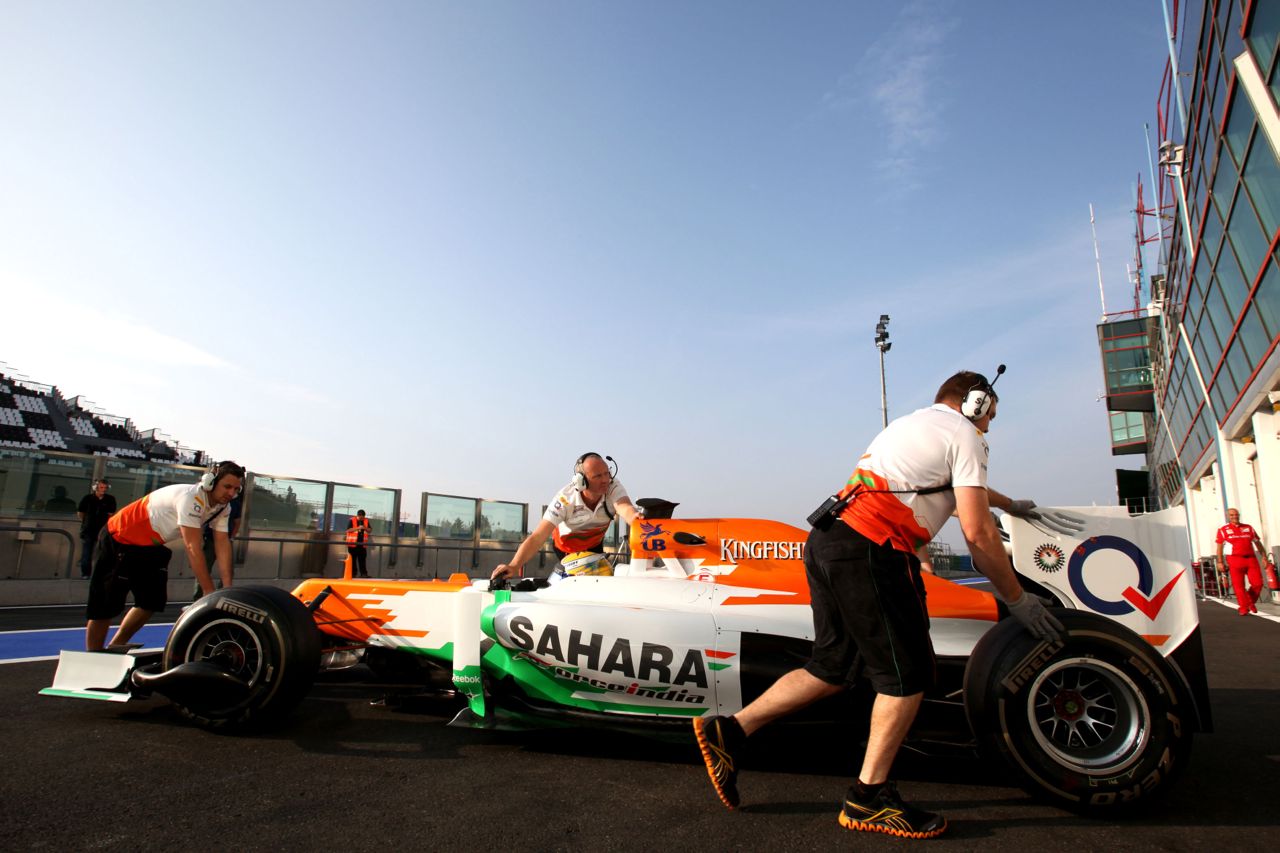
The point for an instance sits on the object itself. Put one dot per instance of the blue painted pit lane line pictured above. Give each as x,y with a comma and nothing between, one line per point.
970,581
23,646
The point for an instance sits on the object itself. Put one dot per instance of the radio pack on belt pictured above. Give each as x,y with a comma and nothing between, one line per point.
824,516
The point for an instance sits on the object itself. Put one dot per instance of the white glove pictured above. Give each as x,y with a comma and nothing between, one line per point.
1039,622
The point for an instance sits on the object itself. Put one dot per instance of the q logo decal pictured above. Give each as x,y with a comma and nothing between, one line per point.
1137,597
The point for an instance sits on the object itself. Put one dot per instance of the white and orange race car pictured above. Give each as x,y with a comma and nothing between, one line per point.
703,617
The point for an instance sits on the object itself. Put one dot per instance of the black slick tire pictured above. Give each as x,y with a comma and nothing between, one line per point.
1098,723
260,634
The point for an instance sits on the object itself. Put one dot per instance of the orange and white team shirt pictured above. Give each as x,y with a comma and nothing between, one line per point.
930,447
155,519
578,526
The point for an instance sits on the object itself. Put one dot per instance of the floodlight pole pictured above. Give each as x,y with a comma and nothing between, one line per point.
883,344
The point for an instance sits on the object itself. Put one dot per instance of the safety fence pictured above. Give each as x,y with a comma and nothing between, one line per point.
36,551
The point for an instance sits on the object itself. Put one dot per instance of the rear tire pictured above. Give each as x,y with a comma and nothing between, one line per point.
260,634
1098,723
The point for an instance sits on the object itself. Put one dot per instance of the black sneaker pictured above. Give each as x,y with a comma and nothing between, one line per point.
886,812
718,738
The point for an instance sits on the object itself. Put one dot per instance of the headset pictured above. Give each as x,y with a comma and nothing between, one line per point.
210,478
580,479
977,402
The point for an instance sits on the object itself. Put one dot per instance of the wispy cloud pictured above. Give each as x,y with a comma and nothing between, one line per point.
80,341
62,322
1018,279
899,78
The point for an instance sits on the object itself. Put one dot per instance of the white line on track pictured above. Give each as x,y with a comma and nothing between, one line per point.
78,628
1236,608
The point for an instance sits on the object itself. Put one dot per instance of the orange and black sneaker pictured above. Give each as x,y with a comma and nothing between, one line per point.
884,811
719,738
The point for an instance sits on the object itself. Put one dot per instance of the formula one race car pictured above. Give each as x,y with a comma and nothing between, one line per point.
704,617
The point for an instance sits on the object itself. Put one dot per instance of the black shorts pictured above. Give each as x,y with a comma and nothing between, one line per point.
122,569
869,615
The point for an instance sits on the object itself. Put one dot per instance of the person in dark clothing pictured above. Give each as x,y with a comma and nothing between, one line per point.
94,510
60,502
358,531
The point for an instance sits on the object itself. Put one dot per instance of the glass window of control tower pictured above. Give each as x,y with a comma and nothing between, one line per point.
1239,126
1262,180
1253,337
1267,300
1245,234
378,505
1263,31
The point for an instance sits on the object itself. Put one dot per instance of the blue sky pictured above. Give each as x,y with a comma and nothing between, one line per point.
449,246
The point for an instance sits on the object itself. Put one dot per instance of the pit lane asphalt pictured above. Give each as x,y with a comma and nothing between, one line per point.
342,773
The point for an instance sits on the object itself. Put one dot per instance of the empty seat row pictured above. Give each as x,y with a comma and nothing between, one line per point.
30,404
47,438
84,426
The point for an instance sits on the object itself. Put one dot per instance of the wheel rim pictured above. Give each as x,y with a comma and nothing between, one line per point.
230,645
1089,716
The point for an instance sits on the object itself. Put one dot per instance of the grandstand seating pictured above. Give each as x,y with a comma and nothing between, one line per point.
84,427
37,417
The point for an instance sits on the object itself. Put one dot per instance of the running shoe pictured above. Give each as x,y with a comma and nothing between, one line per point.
719,738
886,812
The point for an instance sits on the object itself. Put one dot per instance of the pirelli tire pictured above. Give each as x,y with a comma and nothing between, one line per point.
1099,723
260,634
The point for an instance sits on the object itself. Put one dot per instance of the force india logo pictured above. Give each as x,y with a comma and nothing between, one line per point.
1049,557
733,550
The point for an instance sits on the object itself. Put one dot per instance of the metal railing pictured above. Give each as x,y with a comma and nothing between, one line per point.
408,565
377,561
20,529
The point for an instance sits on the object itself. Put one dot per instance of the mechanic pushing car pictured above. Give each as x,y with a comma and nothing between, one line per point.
867,595
578,516
133,555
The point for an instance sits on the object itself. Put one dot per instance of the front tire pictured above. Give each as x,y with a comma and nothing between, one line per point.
261,635
1097,723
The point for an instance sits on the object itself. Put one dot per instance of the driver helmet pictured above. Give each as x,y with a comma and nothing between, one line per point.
586,563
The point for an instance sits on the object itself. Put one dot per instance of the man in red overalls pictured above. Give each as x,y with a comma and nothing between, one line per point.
1241,541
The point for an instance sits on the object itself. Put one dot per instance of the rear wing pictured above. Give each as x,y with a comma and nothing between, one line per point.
1134,569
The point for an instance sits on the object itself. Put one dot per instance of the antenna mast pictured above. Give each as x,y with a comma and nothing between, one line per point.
1097,259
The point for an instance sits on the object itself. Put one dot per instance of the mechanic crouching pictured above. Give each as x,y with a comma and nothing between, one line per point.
868,598
578,516
133,557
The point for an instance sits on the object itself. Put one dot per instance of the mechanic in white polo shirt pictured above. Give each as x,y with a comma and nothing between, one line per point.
133,556
578,516
868,598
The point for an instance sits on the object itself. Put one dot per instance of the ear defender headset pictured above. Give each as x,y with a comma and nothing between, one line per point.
210,478
978,401
580,479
